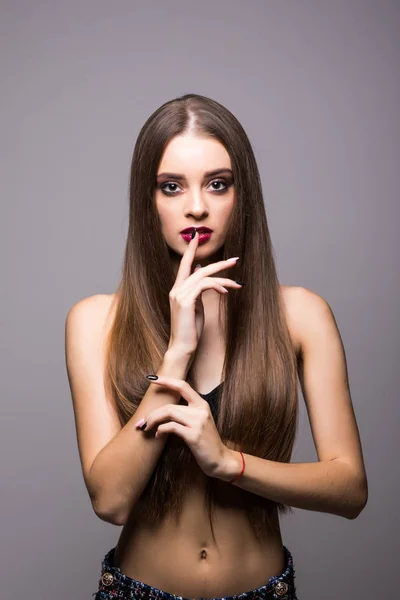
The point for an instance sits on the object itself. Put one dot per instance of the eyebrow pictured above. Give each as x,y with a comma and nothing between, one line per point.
207,174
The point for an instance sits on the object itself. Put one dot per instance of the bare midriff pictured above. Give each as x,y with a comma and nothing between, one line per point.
182,558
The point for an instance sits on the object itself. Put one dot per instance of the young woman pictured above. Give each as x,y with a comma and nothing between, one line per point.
184,382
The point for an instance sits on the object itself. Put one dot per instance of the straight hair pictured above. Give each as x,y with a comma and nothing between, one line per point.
258,408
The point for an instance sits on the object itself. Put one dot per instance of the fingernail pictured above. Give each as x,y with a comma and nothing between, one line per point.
139,423
142,427
232,259
193,232
198,266
239,282
152,377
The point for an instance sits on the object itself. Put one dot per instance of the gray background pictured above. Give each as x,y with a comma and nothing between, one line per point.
316,86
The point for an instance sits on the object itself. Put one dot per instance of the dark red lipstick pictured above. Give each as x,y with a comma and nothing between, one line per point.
204,234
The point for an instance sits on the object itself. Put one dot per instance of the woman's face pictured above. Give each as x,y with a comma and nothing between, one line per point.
189,195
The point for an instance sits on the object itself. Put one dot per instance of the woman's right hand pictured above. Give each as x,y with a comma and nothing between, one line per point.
187,310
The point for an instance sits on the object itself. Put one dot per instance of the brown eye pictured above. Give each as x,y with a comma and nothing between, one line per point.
169,192
219,182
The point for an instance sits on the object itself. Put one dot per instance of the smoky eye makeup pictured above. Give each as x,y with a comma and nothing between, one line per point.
223,186
164,188
220,190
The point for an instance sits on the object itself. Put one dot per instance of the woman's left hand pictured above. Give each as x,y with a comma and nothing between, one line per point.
193,423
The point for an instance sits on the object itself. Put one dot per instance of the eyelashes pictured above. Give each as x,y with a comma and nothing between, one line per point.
162,187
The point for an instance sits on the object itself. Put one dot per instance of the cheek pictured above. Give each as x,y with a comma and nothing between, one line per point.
226,211
167,216
161,207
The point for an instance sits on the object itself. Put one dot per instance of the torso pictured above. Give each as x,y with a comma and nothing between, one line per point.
182,558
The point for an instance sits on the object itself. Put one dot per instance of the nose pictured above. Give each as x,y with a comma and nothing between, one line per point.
196,204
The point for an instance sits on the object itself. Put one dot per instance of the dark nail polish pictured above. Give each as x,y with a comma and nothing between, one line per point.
142,427
193,233
240,282
152,377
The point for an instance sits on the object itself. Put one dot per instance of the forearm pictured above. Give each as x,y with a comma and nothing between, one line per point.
324,486
123,468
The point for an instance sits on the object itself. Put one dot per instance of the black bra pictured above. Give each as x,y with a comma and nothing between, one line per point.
212,391
212,399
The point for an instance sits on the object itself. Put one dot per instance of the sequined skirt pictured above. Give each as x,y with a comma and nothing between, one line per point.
113,584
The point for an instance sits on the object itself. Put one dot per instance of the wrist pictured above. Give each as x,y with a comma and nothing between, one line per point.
176,363
180,352
231,466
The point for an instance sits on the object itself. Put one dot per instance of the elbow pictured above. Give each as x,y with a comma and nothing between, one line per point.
106,507
108,512
109,515
359,502
110,518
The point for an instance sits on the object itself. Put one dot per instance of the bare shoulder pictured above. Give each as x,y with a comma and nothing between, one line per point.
86,327
97,311
303,306
291,301
324,380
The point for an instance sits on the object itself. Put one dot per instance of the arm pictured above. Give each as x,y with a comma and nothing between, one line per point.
337,483
117,489
116,462
325,486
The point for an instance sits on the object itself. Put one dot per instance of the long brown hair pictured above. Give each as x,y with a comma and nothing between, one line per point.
258,409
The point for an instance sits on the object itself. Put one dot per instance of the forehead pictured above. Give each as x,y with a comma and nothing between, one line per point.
192,153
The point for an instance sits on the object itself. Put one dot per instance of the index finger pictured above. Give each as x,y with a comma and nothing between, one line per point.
187,259
181,386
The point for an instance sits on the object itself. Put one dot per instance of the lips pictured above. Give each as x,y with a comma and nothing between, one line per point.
199,229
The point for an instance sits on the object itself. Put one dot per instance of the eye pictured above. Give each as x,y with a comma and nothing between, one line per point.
172,192
169,188
220,182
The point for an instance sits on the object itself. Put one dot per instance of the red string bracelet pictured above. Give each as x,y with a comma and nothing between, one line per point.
241,472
